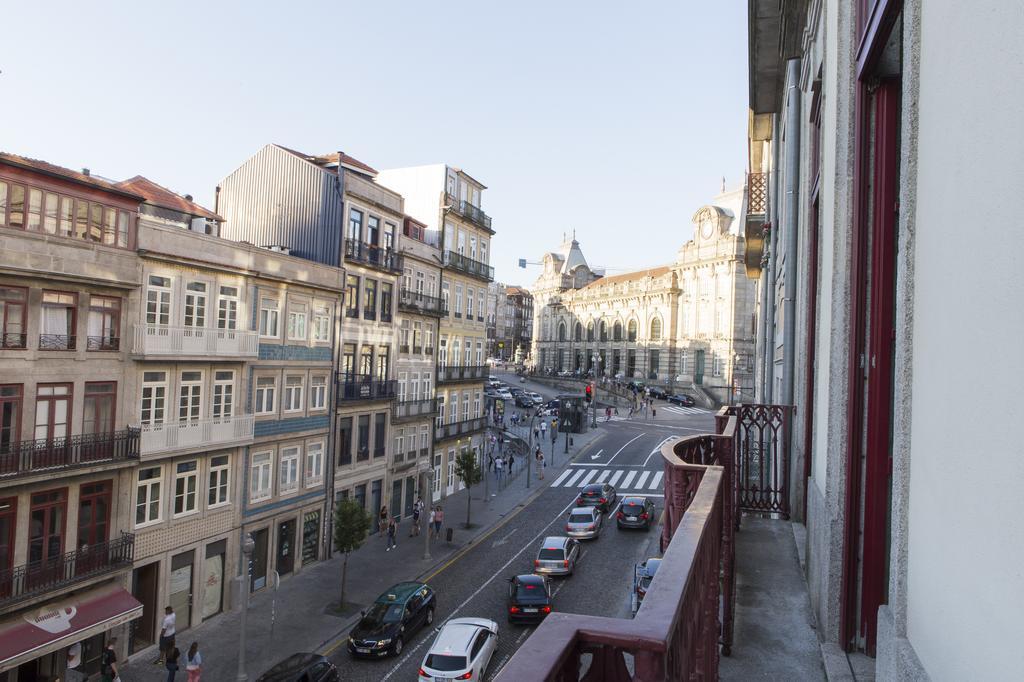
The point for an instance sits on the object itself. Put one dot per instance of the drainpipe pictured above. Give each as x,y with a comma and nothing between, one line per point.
791,218
769,291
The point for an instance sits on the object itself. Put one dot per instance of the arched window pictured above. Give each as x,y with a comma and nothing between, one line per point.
656,329
631,331
590,330
604,331
578,333
617,331
561,331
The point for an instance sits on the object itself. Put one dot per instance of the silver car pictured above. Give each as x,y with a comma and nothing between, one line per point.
584,523
557,556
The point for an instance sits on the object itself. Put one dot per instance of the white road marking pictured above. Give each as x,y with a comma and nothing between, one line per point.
572,481
558,481
657,449
586,479
656,481
616,476
604,476
643,479
624,447
597,454
629,478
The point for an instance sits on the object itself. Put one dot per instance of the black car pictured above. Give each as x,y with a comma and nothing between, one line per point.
523,400
554,404
600,495
636,511
644,575
529,598
302,668
681,399
656,392
393,618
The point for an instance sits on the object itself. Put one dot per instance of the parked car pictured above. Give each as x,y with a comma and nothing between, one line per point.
537,397
584,523
681,399
392,619
529,598
657,392
302,668
636,511
635,386
557,556
523,400
461,650
643,574
504,394
600,495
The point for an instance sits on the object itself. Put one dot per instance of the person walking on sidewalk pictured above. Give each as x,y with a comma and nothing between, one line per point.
193,662
166,635
416,511
382,523
540,464
430,522
392,532
543,427
108,662
511,459
172,663
438,521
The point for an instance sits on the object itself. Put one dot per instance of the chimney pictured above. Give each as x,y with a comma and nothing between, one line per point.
85,171
188,197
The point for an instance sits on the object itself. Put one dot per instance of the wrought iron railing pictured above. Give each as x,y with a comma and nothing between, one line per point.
462,428
56,342
365,387
29,457
13,341
449,373
373,255
470,212
474,268
762,471
415,302
31,581
411,409
102,343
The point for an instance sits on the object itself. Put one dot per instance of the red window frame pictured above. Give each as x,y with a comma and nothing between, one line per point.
113,311
73,326
69,397
56,498
18,397
5,342
111,394
91,493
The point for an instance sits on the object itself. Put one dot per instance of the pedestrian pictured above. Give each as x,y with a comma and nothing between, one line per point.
382,523
172,663
438,521
540,464
536,433
543,427
430,522
511,458
392,532
193,662
108,662
415,528
167,631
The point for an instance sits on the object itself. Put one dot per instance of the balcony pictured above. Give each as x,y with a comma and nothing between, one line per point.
13,341
57,342
201,433
423,304
456,429
754,225
31,457
470,212
373,255
365,387
455,373
413,409
30,582
154,340
468,266
102,343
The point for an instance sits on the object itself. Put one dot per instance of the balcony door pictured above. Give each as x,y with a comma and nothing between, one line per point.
99,407
8,517
93,526
10,416
47,516
53,410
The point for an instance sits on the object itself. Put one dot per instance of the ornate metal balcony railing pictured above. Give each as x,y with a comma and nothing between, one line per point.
375,256
365,387
455,429
29,457
470,212
412,409
762,473
158,340
33,580
447,374
468,266
424,304
56,342
171,436
13,341
102,343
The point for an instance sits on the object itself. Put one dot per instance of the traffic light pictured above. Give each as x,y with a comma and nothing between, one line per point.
590,392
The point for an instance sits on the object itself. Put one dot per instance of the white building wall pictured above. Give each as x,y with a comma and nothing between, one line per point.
421,186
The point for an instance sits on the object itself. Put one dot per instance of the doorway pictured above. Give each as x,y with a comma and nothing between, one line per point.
311,537
698,367
145,581
213,581
286,547
46,536
93,525
180,597
258,577
396,498
376,493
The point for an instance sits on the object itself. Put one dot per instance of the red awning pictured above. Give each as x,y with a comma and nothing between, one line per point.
43,629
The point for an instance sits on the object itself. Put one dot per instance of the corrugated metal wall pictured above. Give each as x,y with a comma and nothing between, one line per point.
276,198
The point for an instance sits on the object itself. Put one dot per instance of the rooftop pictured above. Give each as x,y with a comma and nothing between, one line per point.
630,276
159,195
333,159
84,178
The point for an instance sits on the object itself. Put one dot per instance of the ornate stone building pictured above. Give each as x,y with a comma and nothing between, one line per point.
677,325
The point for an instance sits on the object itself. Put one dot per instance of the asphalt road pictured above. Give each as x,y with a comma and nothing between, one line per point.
474,583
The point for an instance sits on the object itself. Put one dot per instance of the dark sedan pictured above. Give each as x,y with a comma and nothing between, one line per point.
529,598
393,618
681,399
523,400
636,511
656,392
302,668
600,495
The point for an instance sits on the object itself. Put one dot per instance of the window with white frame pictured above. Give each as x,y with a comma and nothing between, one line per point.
195,304
261,476
403,338
190,396
479,354
399,445
296,321
458,300
147,496
682,362
158,300
289,482
469,302
429,335
318,393
227,308
186,485
427,389
266,388
154,397
414,386
322,324
465,406
476,404
716,365
293,393
220,478
469,353
483,251
454,415
445,295
424,437
269,313
314,464
223,394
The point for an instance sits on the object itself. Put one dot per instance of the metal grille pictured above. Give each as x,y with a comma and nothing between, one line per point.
757,193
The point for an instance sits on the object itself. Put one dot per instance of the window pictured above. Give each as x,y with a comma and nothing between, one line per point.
35,210
104,324
158,300
363,438
385,301
355,225
220,476
261,476
389,236
289,470
366,361
293,393
382,362
266,387
476,404
318,393
370,299
344,441
227,308
590,331
379,443
16,204
603,327
373,230
50,222
147,496
314,464
351,296
469,302
445,295
186,481
223,394
10,415
322,324
190,396
716,365
458,300
99,407
656,329
617,331
403,337
195,304
12,313
682,362
57,320
483,251
154,397
348,359
417,337
269,317
297,321
561,331
465,406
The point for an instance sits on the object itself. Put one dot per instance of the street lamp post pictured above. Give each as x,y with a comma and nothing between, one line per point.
428,477
248,545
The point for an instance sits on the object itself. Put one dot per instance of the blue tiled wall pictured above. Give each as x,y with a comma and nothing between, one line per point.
273,428
275,351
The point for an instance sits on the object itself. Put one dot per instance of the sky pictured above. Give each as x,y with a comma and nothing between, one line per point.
614,119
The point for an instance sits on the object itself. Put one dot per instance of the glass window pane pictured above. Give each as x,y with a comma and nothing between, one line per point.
17,214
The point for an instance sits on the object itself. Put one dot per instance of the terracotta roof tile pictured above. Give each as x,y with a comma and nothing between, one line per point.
76,176
323,159
628,276
161,196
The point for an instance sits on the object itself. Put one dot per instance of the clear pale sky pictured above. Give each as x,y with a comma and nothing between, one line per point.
618,119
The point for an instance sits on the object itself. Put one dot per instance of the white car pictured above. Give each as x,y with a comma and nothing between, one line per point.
536,397
461,650
504,394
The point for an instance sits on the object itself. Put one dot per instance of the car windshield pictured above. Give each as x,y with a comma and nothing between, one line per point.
384,613
550,553
582,517
632,507
531,591
592,492
446,663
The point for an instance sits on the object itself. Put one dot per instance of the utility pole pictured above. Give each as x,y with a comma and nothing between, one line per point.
248,545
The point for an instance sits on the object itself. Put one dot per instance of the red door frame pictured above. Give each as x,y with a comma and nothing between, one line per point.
104,493
62,503
52,400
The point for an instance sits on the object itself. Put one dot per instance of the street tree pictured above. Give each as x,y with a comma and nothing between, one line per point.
351,524
468,470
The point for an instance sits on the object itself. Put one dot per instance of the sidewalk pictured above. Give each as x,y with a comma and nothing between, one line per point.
300,620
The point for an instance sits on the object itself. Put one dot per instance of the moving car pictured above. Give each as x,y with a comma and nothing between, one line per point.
584,523
393,618
529,598
302,668
643,574
636,511
600,495
557,556
461,650
523,400
681,399
504,394
656,392
536,397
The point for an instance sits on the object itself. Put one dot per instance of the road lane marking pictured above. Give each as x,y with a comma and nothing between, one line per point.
629,478
572,481
616,476
604,476
658,449
558,481
587,478
643,479
624,447
597,454
656,481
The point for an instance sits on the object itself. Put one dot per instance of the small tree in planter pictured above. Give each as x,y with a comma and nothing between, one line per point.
351,524
468,471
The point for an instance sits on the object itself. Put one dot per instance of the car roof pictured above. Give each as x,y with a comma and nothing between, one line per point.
591,511
530,579
455,638
400,592
651,565
594,486
295,663
555,542
630,499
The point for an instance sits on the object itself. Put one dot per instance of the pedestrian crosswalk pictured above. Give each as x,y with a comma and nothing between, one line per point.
679,409
624,480
675,409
